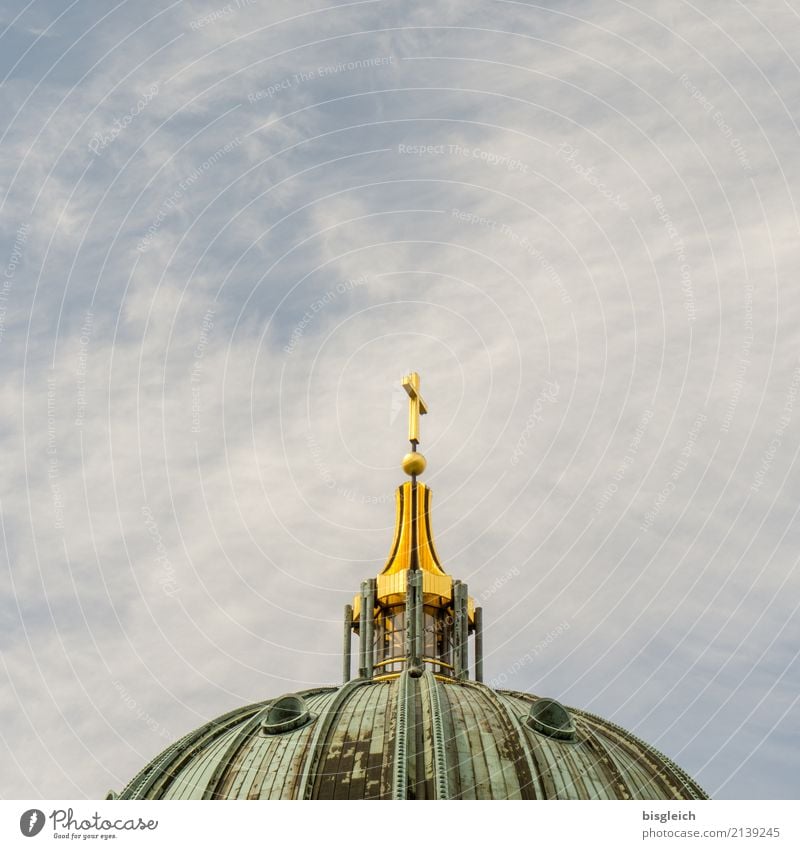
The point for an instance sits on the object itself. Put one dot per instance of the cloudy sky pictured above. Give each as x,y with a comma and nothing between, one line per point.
229,229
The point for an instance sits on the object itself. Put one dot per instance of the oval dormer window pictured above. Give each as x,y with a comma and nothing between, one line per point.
286,714
551,718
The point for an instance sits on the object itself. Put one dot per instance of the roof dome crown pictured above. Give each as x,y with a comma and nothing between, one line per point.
412,724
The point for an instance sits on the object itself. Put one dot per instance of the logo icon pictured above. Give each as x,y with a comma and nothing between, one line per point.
31,822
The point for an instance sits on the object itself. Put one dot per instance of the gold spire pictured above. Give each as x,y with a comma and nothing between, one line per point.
413,549
412,546
413,613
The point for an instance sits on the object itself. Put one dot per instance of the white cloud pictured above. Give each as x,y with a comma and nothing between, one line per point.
220,493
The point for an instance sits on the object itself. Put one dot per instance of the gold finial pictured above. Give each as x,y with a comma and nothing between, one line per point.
416,406
414,463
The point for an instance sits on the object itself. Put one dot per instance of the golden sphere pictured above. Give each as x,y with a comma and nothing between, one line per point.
414,463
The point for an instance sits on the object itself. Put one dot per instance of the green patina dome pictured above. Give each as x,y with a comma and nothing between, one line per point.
412,725
411,738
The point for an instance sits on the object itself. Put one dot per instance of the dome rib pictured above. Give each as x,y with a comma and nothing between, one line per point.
514,732
154,778
440,768
231,752
400,769
633,768
657,759
325,725
409,737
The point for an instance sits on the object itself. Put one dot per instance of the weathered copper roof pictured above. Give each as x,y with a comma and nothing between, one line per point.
408,737
399,731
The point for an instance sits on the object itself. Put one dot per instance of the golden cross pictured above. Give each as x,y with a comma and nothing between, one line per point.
416,406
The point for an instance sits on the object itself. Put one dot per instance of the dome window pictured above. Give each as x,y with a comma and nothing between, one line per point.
286,714
550,718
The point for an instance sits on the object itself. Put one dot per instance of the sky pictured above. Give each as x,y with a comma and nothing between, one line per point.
227,231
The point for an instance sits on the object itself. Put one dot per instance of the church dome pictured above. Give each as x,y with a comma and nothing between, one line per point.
417,722
412,738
